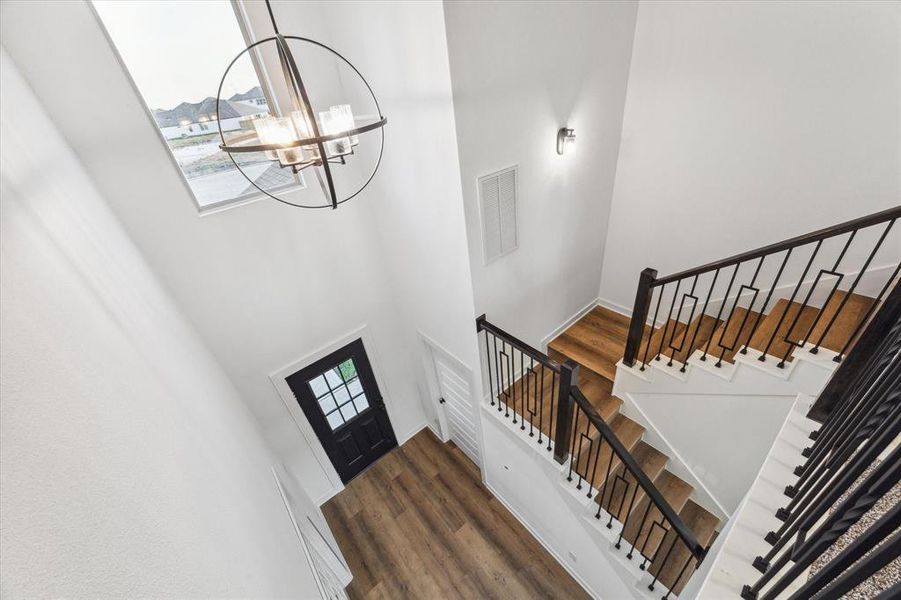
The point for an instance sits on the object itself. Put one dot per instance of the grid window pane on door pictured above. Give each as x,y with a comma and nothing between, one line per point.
497,205
339,393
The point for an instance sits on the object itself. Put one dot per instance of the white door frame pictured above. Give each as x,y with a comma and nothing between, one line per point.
278,379
431,349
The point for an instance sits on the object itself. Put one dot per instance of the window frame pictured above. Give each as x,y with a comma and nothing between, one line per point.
266,86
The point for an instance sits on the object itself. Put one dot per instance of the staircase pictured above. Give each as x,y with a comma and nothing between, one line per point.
710,323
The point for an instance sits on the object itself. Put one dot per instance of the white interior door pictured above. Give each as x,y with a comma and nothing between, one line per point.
455,391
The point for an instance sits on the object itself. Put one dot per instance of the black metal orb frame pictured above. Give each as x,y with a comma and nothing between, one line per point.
302,102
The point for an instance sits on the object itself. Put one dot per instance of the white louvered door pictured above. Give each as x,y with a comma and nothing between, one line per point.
455,390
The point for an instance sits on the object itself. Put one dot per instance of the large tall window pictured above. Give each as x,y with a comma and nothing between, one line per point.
176,53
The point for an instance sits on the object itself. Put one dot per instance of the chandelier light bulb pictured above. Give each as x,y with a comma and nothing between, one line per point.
304,138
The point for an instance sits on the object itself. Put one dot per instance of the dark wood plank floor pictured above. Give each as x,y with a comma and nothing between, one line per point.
420,524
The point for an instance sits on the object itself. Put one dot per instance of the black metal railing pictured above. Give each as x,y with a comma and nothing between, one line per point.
648,525
541,396
525,385
733,295
845,473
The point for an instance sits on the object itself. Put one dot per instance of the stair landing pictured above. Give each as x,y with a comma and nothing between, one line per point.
597,341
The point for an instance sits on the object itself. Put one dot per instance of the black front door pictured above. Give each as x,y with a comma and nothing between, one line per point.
340,398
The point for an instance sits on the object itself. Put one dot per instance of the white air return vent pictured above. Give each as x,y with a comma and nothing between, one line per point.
497,205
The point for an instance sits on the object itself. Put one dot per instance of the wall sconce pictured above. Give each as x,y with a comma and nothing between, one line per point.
566,140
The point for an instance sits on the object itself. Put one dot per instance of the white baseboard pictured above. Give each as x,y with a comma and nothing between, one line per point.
567,324
403,439
531,529
617,308
870,282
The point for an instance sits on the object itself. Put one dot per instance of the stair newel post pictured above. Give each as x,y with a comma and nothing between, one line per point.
639,315
569,372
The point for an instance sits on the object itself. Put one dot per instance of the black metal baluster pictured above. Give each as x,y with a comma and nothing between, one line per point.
741,326
488,360
580,466
668,319
694,306
821,503
790,301
678,577
551,418
694,338
541,413
720,311
850,291
841,444
619,540
821,583
665,558
640,527
497,370
607,474
869,312
644,360
834,272
846,412
622,500
766,302
572,449
508,391
848,512
522,411
644,546
594,471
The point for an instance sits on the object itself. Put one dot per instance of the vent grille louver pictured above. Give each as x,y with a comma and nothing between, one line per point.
497,205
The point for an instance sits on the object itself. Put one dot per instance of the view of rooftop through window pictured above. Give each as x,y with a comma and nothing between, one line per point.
176,54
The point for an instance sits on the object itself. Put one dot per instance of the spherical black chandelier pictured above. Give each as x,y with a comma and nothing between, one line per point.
297,139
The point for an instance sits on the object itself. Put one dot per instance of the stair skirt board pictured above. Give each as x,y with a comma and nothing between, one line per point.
582,509
730,559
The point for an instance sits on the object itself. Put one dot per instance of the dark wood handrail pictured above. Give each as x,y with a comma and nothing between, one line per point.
801,240
678,525
483,324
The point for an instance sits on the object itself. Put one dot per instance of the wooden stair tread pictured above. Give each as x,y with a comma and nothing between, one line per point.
734,332
621,494
534,397
596,341
783,315
640,529
686,338
703,524
599,392
852,313
673,331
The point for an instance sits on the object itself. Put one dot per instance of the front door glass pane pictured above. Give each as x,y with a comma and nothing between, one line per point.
339,393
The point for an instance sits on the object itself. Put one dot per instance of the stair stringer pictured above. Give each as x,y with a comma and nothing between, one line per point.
806,374
527,480
676,413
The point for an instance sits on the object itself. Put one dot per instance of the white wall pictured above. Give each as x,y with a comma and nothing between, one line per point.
266,284
532,490
722,439
750,122
129,464
520,71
